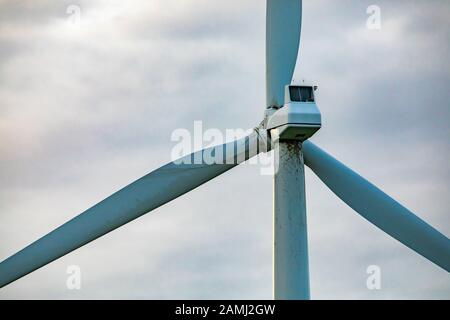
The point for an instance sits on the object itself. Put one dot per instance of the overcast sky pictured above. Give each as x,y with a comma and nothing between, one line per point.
88,105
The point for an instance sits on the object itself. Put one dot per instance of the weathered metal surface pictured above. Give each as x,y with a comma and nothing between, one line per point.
291,271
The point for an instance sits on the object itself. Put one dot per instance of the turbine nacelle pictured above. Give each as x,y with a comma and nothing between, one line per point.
299,118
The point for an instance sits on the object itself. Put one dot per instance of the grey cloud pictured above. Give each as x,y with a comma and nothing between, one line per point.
85,112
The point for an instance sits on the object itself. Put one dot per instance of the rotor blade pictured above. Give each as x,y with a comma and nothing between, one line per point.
151,191
283,23
377,207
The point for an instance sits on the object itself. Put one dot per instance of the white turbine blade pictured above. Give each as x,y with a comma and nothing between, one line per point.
377,207
148,193
283,23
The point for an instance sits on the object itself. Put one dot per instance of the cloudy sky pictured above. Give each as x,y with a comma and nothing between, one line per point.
88,103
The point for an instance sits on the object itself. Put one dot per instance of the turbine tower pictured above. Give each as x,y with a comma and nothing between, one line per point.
291,117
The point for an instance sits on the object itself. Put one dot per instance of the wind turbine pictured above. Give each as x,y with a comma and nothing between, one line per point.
291,117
